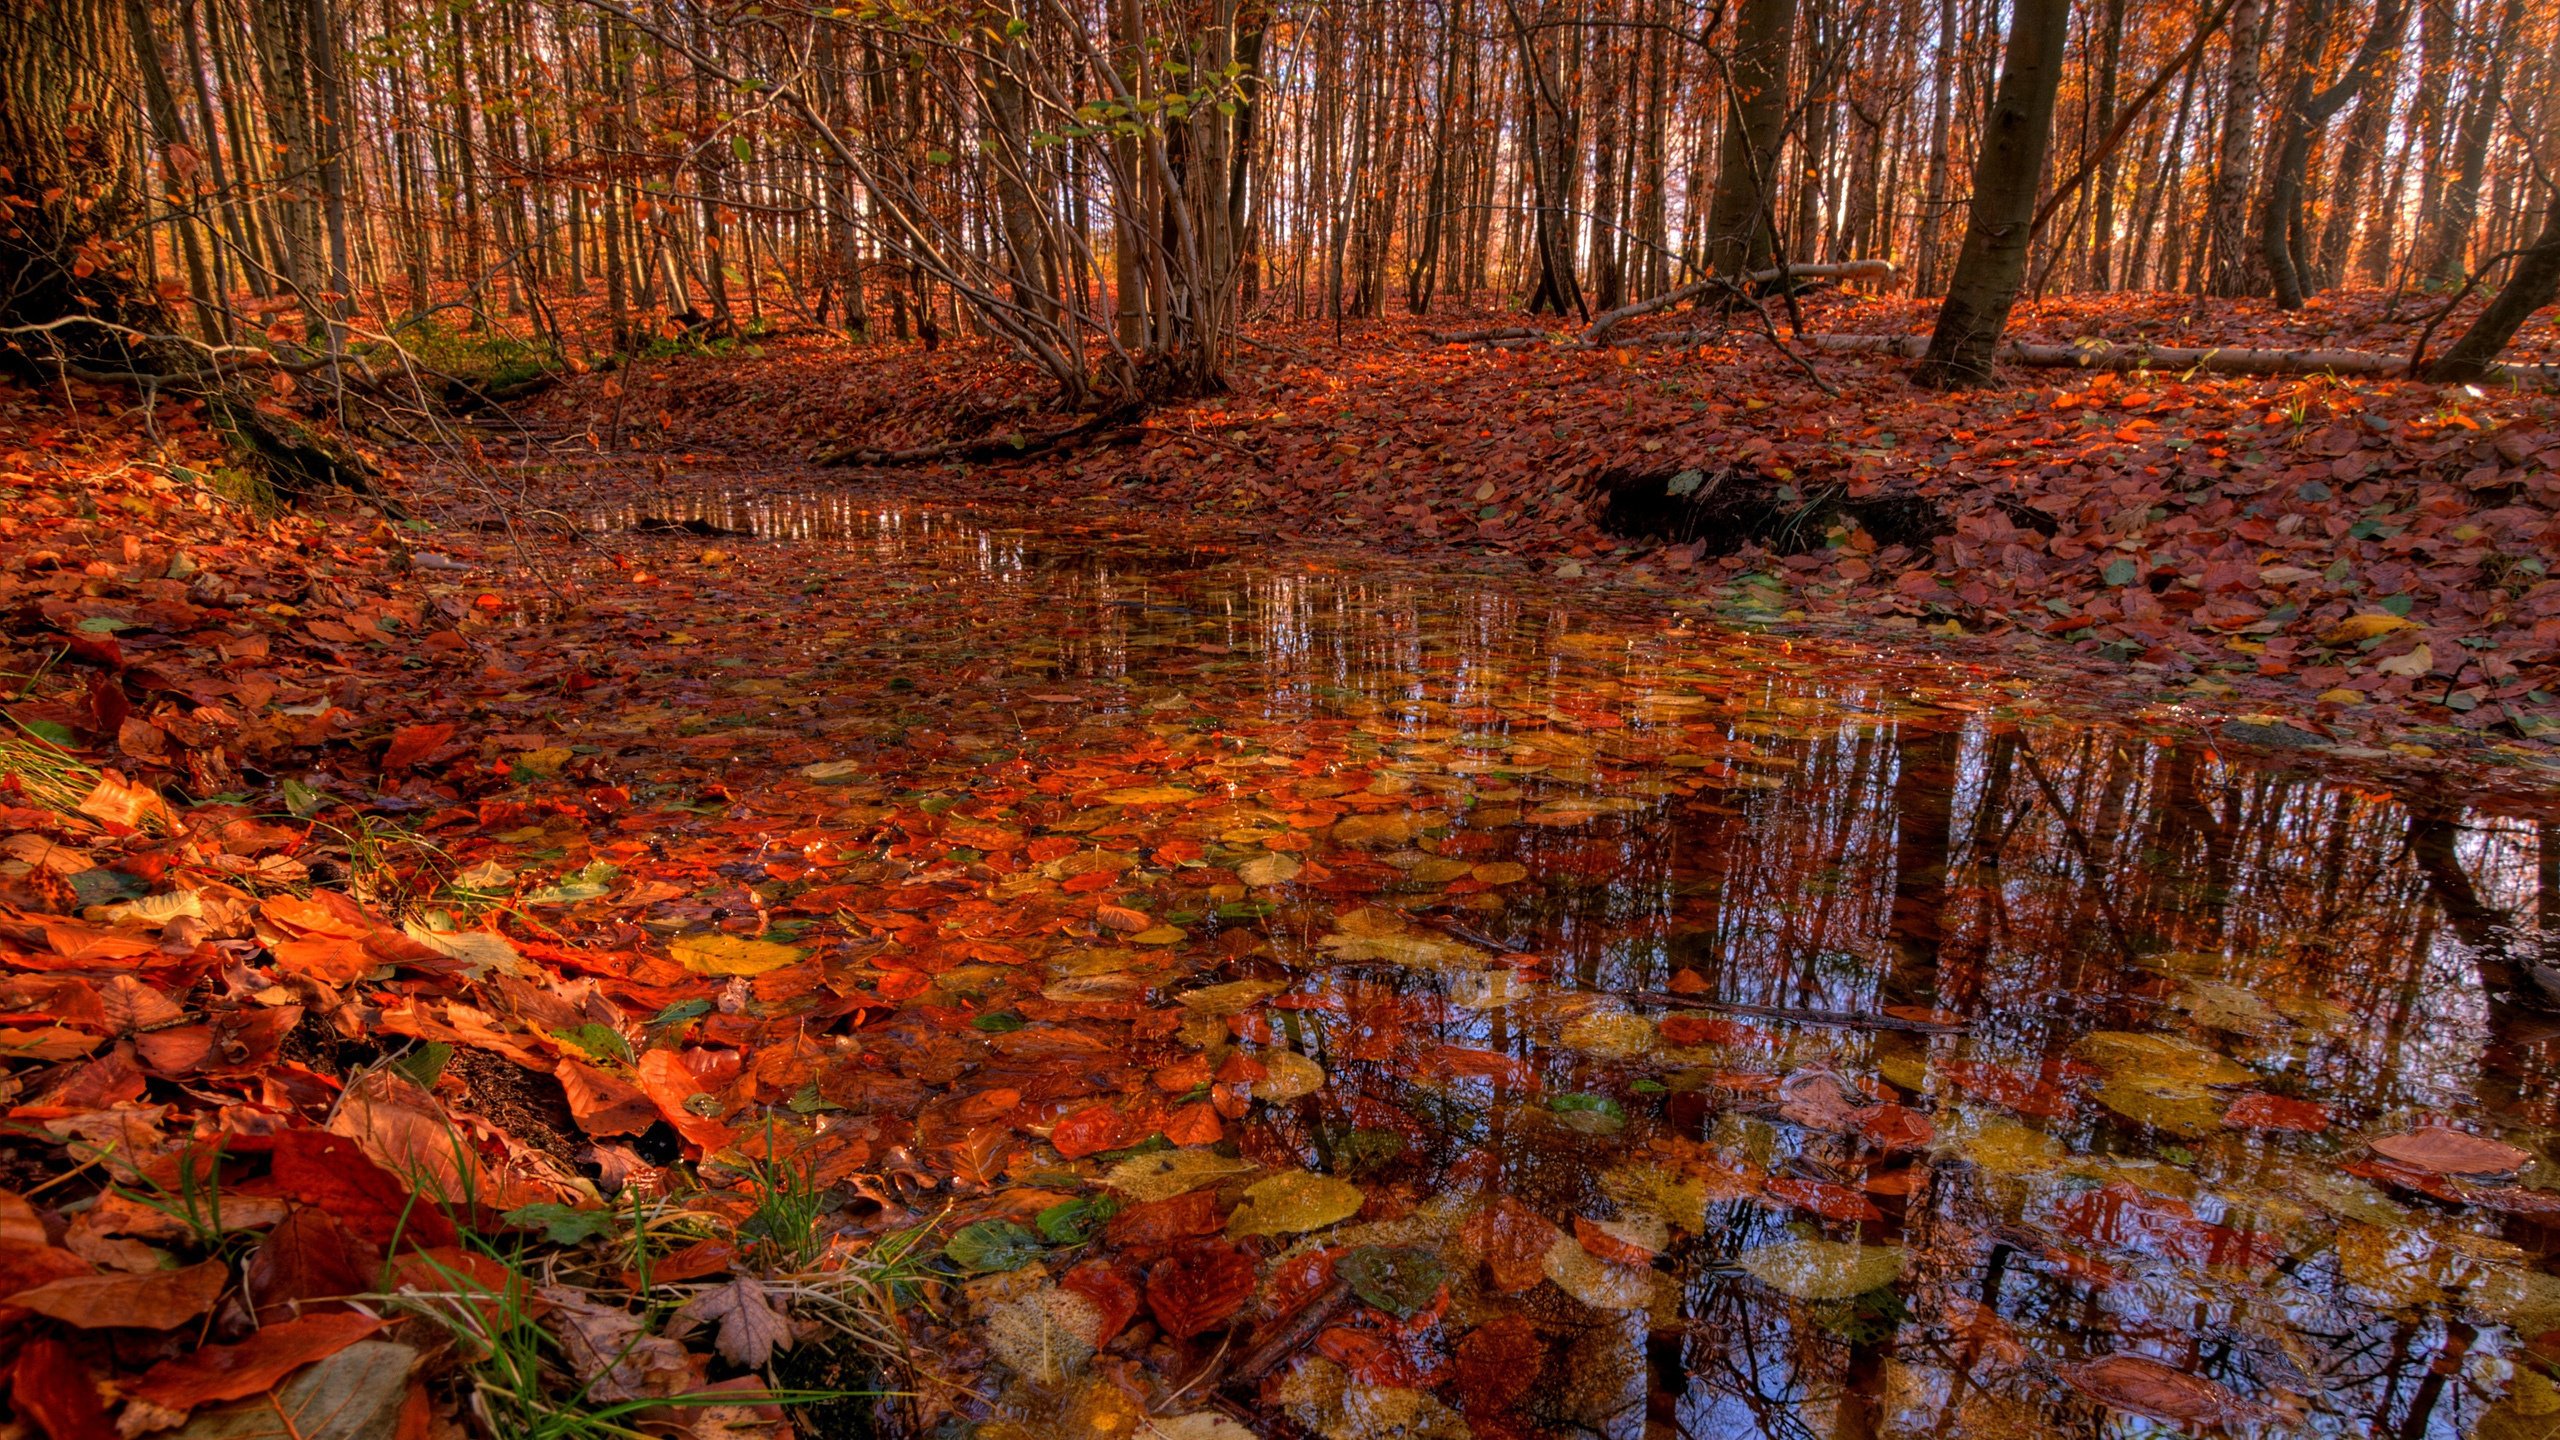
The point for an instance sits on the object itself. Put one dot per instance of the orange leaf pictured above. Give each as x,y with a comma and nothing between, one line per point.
1089,1131
1194,1124
1836,1202
156,1300
1514,1241
252,1367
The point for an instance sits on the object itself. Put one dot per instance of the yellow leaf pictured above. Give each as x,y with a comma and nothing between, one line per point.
733,954
1150,795
1271,869
1298,1201
2358,628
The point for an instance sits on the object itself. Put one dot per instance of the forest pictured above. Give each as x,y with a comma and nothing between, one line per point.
1279,719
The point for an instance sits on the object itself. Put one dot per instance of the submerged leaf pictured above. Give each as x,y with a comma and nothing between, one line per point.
1823,1269
1295,1202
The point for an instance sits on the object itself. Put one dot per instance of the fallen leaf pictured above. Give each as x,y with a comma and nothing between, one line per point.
159,1300
253,1366
751,1326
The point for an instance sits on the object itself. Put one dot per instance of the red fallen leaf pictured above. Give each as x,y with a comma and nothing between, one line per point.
412,743
1124,919
2123,1216
1371,1358
308,1259
24,1266
1295,1282
156,1300
1895,1127
1707,1030
2258,1110
2140,1385
1688,982
1605,1246
1184,1075
2011,1089
1152,1224
1199,1286
50,1387
1895,1182
702,1257
1089,1131
1469,1063
1114,1298
1194,1124
1834,1202
1513,1241
1982,1329
1924,1015
1242,1068
252,1367
603,1104
1497,1363
2448,1151
333,1173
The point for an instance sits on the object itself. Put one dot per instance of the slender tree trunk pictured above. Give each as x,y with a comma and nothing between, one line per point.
1993,262
1738,235
2533,284
2235,165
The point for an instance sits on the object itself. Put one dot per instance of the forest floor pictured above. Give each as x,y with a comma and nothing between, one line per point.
671,936
2359,562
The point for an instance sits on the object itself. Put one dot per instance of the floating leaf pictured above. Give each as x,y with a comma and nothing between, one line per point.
1598,1283
832,772
2162,1056
718,953
2448,1151
1823,1269
1045,1335
1298,1201
1168,1173
1610,1034
1272,869
1290,1076
2141,1385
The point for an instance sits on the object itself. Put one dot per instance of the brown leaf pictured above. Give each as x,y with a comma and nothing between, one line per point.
1513,1240
2448,1151
1497,1363
751,1329
252,1367
2143,1386
161,1300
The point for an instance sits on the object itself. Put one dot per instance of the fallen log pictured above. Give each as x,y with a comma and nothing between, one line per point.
1607,321
1483,337
2220,359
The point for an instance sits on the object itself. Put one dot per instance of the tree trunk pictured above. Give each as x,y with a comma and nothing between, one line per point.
2235,167
2534,283
1993,261
1738,233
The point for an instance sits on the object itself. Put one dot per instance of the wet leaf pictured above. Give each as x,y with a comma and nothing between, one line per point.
1292,1203
1046,1335
1598,1283
1397,1279
1823,1269
1166,1174
1199,1286
992,1246
355,1394
1513,1241
2258,1110
2447,1151
723,954
2141,1385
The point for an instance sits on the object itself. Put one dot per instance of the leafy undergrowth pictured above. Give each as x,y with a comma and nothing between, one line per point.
2360,562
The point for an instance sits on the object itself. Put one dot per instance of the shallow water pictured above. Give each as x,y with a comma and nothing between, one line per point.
1944,1038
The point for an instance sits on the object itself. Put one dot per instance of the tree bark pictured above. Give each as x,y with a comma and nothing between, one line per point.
1738,236
1993,261
2534,283
2235,166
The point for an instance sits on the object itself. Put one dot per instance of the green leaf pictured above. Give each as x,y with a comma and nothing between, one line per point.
938,156
2121,571
54,732
600,1042
1074,1221
1600,1103
301,800
104,625
561,1225
991,1246
678,1013
1685,483
423,1065
739,147
2397,604
1000,1022
1398,1279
